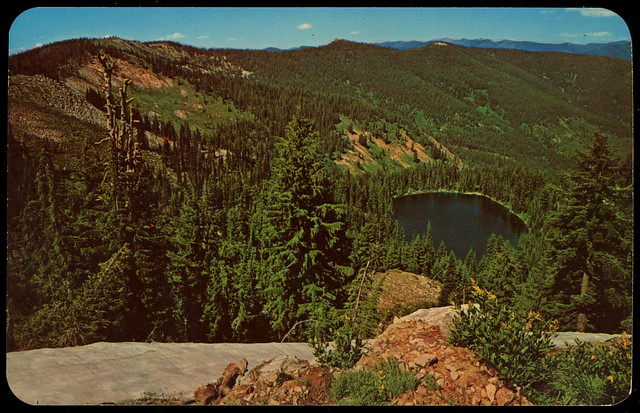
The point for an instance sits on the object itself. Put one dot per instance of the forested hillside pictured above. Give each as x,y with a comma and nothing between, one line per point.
161,192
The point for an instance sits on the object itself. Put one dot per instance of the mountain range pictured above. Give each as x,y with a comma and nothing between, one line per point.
480,104
619,49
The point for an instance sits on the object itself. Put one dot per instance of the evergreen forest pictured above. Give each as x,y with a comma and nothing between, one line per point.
160,192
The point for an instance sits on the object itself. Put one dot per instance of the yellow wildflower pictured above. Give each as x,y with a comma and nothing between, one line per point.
625,340
610,378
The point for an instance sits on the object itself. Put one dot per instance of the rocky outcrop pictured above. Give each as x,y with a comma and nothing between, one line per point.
441,317
417,342
280,381
448,374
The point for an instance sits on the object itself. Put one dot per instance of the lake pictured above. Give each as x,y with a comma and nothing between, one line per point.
462,221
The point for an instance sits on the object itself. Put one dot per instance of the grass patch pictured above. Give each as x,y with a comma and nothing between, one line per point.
372,387
181,103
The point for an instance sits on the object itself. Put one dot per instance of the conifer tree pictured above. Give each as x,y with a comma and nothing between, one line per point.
303,239
440,262
468,273
429,253
186,266
413,255
451,280
500,271
591,245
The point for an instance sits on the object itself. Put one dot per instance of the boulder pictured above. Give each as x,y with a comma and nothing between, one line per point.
437,316
206,394
210,393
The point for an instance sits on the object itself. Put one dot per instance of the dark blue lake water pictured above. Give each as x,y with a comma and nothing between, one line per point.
462,221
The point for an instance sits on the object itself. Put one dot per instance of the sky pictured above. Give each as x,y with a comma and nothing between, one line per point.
287,27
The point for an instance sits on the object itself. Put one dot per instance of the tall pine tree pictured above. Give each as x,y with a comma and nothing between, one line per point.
303,241
591,246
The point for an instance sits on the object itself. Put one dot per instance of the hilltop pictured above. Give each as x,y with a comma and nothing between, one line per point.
508,104
619,49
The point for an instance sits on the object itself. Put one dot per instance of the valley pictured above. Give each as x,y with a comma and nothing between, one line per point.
228,195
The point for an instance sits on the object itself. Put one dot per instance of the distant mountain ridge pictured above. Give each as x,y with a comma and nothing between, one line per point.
620,49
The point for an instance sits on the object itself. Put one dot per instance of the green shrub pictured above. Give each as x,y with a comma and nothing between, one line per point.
588,374
356,387
515,344
372,387
336,342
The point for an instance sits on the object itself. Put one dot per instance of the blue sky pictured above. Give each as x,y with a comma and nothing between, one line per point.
257,28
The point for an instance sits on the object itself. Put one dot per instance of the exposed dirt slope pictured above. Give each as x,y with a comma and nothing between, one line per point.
403,150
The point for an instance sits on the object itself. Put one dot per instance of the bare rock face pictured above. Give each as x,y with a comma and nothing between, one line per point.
437,316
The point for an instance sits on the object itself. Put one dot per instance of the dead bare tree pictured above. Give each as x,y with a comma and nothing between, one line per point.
125,154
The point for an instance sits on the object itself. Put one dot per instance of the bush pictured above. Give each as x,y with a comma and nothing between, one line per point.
356,387
372,387
344,351
336,341
515,344
589,374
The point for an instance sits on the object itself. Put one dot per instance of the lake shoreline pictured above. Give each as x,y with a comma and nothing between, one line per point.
444,191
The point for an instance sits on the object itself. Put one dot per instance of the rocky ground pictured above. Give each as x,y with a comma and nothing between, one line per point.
448,375
269,373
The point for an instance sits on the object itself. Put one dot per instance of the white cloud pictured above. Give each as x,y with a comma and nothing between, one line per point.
204,36
173,36
355,32
599,34
304,26
587,12
593,34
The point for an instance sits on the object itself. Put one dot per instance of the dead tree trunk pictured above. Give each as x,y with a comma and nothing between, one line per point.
125,157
